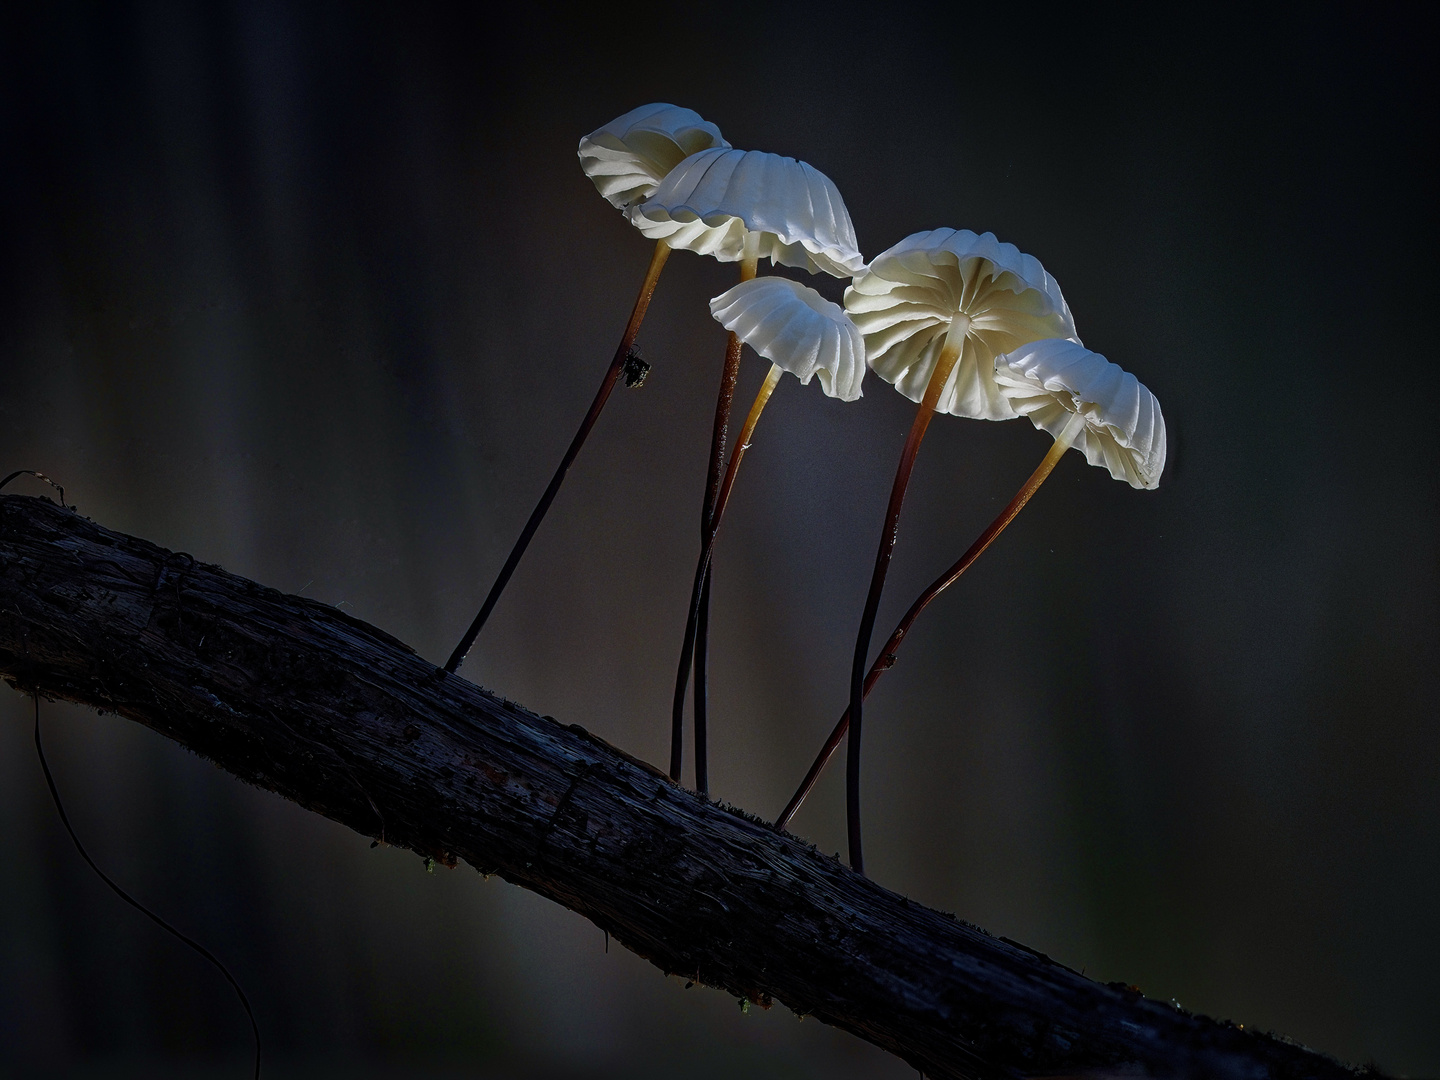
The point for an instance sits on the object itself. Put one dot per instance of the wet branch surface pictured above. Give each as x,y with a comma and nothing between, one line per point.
298,698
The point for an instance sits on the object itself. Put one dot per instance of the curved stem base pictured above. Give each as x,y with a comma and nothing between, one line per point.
607,384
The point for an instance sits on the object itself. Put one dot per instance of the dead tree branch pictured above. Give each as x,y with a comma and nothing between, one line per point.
294,696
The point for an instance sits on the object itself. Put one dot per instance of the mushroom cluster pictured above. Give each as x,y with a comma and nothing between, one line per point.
958,322
741,206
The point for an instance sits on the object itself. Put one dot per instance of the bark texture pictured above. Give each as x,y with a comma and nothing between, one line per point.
298,698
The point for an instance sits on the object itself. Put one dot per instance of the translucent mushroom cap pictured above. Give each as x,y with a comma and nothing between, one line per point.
628,157
797,329
1051,381
711,200
908,298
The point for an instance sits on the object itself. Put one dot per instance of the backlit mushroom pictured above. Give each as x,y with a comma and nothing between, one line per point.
1077,395
629,157
744,205
798,331
936,309
1081,399
741,204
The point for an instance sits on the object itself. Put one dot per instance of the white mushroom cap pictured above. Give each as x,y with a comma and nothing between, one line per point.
797,329
711,200
1051,381
907,300
628,157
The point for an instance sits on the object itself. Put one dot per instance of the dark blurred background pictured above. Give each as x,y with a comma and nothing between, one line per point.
318,292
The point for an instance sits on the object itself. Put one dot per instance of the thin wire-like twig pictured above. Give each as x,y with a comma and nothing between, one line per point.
118,891
38,476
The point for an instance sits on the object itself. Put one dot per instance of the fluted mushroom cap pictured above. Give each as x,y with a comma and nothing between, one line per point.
797,329
1051,381
711,199
628,157
905,302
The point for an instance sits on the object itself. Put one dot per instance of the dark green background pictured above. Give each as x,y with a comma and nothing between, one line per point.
318,292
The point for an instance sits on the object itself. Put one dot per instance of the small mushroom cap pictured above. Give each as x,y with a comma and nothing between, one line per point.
905,301
628,157
711,199
798,329
1051,381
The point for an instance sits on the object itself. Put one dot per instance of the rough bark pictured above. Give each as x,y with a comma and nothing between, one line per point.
296,697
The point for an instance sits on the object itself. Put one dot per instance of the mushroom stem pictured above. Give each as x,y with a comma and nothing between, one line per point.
702,568
950,354
749,263
627,341
886,660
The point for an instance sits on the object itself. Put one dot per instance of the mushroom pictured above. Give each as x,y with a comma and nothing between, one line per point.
936,309
1078,396
798,331
744,205
1084,401
627,159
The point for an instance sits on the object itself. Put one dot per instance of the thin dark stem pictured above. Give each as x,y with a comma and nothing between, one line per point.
118,891
617,365
719,431
682,673
702,688
886,660
944,364
867,627
702,570
723,400
701,658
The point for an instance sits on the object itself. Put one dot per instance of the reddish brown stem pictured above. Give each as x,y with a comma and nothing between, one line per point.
632,328
944,365
701,647
702,569
698,652
886,660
